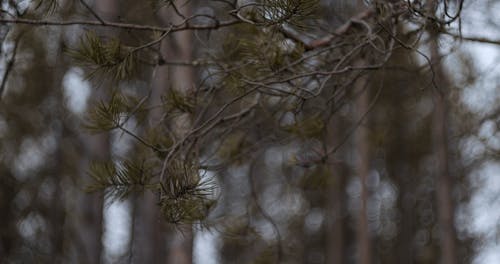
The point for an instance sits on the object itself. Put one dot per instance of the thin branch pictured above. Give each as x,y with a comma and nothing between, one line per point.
264,213
355,126
324,41
473,39
92,12
180,27
9,66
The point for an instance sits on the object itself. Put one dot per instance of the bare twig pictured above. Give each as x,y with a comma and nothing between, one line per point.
92,12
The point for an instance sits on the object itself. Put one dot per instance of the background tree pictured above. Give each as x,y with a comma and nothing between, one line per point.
275,125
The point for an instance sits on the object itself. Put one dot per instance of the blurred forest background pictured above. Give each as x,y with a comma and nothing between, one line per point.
267,131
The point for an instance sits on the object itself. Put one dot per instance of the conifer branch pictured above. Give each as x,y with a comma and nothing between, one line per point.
175,28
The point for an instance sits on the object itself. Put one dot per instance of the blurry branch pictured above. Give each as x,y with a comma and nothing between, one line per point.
255,197
9,65
351,131
206,126
417,8
397,10
92,11
185,25
473,39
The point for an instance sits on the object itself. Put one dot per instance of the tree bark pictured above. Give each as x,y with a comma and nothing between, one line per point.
363,170
150,231
336,203
440,137
156,243
90,222
180,248
444,179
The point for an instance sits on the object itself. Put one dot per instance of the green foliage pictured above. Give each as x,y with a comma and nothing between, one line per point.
232,145
106,58
104,116
292,12
175,100
307,127
261,51
253,54
158,137
185,197
120,180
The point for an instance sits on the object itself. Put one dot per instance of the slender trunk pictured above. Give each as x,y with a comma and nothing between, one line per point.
8,231
444,180
154,242
440,138
363,169
58,211
335,243
90,225
150,231
182,79
149,245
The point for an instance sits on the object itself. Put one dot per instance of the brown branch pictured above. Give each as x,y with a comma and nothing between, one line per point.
473,39
181,27
324,41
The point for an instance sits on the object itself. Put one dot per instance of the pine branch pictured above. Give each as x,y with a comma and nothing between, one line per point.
120,180
185,197
139,27
111,58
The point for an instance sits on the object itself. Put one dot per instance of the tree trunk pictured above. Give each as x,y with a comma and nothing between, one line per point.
182,79
150,231
155,243
336,202
363,169
90,206
440,138
444,180
90,226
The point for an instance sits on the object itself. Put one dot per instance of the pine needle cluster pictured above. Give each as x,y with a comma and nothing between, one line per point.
119,180
291,12
109,58
109,115
185,196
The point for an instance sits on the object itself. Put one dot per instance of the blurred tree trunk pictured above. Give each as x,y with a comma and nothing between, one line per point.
155,242
180,245
89,218
150,231
399,168
336,201
89,221
337,242
440,137
90,226
58,211
362,145
444,179
8,232
402,157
